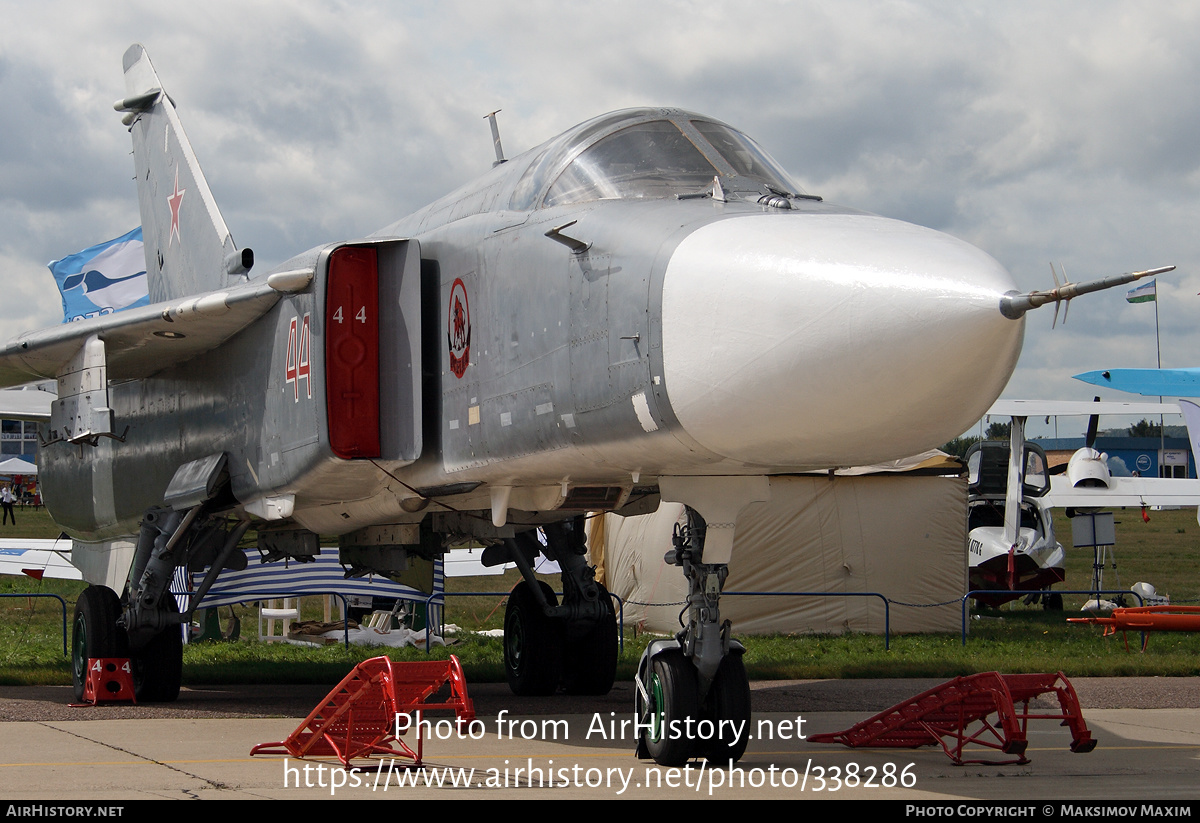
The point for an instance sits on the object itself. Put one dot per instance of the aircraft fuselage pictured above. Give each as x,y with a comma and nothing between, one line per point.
698,335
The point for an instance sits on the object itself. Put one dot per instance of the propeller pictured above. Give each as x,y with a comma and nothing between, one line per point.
1092,430
1094,420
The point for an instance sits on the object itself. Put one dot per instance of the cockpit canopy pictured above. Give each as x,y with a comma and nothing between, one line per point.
987,470
647,153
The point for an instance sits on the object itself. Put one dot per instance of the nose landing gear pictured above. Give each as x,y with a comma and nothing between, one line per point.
693,695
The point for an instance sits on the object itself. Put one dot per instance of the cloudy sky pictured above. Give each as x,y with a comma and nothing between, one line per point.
1039,132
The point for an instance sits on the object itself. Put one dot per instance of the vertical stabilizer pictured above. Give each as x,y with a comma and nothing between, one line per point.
188,247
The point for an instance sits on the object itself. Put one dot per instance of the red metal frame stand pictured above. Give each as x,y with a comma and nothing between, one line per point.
958,713
1146,619
359,717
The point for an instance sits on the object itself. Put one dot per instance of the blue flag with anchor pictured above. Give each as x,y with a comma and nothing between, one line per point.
103,279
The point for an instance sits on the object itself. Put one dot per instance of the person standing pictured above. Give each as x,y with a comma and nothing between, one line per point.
6,501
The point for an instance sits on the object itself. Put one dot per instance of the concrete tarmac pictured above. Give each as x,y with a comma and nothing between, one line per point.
1148,732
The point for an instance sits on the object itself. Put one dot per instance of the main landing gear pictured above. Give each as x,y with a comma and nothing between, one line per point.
693,696
547,645
98,633
95,632
144,624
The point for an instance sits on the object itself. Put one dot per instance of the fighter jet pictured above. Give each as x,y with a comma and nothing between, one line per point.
643,308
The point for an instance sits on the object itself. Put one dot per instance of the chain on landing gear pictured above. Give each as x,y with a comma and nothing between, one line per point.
693,696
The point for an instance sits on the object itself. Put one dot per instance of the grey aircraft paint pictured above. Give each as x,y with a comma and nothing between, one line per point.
644,306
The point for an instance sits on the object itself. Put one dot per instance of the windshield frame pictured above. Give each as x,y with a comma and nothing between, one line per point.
535,189
646,160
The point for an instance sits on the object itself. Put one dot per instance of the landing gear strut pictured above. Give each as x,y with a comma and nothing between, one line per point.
158,665
145,623
547,644
698,676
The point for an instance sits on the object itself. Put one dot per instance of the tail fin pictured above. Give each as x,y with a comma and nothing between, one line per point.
188,247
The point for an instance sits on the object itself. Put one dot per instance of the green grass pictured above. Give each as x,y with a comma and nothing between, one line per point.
1014,638
31,523
31,646
1164,552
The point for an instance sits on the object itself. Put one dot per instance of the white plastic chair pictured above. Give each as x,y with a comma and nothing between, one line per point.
285,614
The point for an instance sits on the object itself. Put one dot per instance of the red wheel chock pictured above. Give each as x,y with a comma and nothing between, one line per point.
359,717
109,680
947,714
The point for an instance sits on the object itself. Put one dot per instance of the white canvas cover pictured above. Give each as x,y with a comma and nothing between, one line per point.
899,535
16,466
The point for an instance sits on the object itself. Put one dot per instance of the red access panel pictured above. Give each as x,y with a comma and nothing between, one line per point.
352,352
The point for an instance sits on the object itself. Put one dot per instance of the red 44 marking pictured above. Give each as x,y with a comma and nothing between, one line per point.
297,365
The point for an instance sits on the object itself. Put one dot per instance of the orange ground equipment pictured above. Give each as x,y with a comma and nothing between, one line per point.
359,717
1146,619
955,715
109,680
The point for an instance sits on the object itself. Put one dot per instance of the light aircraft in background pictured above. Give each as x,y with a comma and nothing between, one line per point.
1011,540
1011,544
38,559
642,308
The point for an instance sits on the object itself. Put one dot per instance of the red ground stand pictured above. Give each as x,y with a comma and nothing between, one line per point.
1146,619
956,714
358,718
109,680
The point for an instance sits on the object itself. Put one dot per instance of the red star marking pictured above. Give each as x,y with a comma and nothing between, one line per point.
173,201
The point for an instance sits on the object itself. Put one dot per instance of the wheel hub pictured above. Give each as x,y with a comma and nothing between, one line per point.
656,709
79,649
513,636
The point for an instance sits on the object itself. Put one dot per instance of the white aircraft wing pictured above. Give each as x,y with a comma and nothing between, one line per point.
142,341
16,404
38,558
1124,491
1076,408
469,563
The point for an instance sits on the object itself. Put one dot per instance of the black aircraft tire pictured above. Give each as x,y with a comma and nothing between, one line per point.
95,632
158,666
674,699
533,642
729,701
1052,602
591,663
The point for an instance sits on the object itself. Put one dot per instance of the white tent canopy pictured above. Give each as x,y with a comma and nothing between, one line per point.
15,466
902,536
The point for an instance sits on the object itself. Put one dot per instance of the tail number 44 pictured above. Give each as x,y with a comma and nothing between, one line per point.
297,367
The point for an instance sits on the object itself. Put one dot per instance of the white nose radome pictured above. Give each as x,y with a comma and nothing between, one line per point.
812,341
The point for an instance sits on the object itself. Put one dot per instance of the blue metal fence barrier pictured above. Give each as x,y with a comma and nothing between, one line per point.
61,602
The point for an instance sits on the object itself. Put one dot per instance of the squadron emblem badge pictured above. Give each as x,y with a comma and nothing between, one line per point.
458,329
